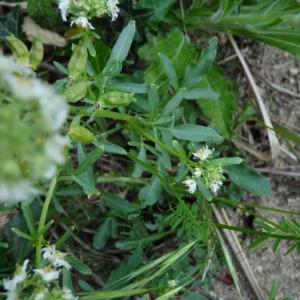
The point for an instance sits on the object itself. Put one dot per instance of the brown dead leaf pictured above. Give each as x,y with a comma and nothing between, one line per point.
33,30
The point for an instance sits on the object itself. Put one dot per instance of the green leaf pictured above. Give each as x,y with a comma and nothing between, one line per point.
249,180
195,94
158,8
195,133
227,161
89,160
86,179
196,71
220,112
43,10
119,204
121,47
78,265
170,70
287,134
113,294
9,24
138,168
150,194
175,47
153,101
102,234
274,22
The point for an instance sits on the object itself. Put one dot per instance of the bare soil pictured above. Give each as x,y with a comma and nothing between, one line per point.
277,74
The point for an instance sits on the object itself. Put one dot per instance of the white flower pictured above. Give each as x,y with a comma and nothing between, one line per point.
50,171
82,22
172,283
68,295
55,110
55,257
63,6
9,64
54,148
48,274
11,284
202,153
197,172
113,9
53,107
215,186
191,185
11,295
17,192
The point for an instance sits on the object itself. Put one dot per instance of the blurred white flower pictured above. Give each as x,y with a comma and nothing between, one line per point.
48,274
17,191
54,148
63,6
202,153
215,186
82,22
172,283
191,185
55,257
113,9
197,172
11,284
55,110
67,294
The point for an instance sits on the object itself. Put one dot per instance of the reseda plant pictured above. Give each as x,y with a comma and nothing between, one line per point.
41,283
84,10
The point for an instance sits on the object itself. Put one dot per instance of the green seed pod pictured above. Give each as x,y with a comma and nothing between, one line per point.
18,49
77,63
116,99
81,134
76,92
36,53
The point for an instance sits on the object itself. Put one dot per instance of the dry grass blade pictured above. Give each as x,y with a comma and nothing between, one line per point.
23,5
239,253
33,30
274,142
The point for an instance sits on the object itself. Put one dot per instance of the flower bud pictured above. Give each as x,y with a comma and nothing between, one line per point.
81,134
18,49
116,99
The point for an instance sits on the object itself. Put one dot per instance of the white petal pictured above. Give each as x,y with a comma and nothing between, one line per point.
19,191
48,274
63,7
191,185
113,9
54,148
202,153
82,22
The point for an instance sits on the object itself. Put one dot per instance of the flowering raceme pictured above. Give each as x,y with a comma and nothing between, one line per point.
208,171
31,117
84,10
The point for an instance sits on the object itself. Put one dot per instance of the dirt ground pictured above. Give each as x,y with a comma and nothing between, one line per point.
277,74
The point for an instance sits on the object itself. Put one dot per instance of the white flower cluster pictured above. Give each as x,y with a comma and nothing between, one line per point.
211,174
84,10
31,146
48,274
57,261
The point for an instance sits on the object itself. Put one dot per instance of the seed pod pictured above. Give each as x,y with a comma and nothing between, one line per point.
116,99
76,92
36,53
77,63
18,49
81,134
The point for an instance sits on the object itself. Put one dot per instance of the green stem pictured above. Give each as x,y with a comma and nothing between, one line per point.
42,222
